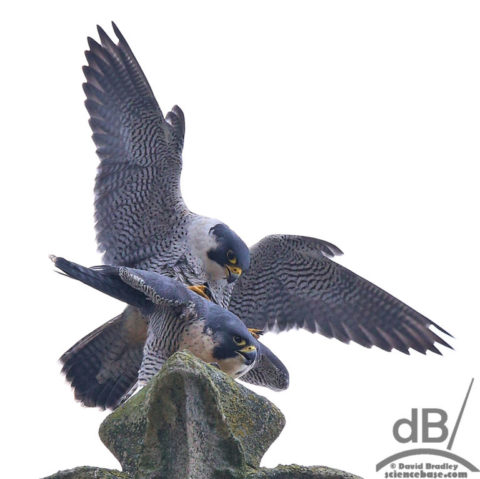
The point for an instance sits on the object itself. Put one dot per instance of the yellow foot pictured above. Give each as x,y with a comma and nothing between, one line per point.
256,333
202,290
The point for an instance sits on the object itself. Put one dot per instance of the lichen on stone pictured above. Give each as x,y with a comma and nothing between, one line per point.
194,422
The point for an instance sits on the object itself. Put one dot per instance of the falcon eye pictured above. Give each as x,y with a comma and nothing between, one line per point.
231,257
239,341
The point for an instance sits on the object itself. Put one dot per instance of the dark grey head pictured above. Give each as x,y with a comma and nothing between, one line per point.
230,252
235,349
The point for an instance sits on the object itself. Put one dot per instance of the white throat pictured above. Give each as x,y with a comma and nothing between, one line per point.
201,241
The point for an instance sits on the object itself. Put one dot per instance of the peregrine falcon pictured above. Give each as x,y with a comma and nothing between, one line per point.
142,222
141,218
178,319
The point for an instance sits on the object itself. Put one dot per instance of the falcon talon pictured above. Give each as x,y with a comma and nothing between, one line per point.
202,290
256,333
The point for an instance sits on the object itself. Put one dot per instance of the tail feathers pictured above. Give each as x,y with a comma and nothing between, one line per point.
103,366
105,279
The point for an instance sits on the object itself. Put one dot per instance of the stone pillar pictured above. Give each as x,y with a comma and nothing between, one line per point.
194,422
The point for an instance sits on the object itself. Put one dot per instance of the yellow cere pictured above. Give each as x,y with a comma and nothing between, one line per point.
235,270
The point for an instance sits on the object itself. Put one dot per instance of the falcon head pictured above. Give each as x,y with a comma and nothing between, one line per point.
234,348
228,256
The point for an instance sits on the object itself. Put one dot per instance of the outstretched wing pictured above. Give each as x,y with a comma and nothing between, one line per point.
103,366
293,284
138,203
268,371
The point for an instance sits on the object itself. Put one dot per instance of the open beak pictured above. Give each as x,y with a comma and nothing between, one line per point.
233,273
249,353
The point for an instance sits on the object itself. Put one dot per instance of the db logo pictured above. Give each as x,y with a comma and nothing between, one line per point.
427,426
430,423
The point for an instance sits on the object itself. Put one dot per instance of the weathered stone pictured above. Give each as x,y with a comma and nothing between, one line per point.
192,420
89,473
300,472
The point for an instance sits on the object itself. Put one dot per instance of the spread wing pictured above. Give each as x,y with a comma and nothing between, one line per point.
293,284
104,365
138,203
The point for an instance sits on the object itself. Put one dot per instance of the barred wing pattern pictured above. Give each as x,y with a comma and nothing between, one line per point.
139,209
104,365
293,284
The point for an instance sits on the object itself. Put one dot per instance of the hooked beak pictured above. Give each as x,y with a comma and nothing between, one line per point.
233,273
249,353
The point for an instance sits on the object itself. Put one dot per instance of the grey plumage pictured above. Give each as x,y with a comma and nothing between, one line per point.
173,318
137,191
293,283
141,218
142,222
103,366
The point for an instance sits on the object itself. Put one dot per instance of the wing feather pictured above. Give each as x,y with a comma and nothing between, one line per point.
292,283
138,203
104,365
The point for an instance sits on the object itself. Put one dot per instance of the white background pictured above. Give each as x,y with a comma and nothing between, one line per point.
355,122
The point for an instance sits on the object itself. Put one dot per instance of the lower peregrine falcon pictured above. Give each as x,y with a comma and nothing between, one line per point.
179,319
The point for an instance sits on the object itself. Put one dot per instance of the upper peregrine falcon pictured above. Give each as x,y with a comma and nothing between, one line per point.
142,222
141,218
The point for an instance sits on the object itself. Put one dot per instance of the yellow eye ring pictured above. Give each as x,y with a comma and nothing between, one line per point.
239,341
231,257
